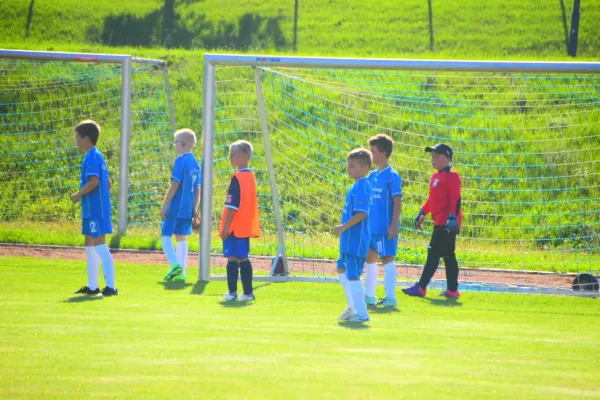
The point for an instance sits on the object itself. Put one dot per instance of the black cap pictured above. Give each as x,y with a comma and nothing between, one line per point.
440,148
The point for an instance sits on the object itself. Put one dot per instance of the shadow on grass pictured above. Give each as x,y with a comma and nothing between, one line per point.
384,310
235,304
199,287
175,285
115,242
443,302
82,299
261,285
353,325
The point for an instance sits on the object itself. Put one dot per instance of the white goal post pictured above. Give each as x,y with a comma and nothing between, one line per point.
125,61
213,62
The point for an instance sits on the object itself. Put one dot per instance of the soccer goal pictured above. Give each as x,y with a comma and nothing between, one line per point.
526,137
43,95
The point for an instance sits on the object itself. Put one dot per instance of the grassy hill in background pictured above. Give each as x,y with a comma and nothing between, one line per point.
463,28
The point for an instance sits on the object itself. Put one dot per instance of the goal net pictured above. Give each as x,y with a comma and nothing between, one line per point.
526,138
43,96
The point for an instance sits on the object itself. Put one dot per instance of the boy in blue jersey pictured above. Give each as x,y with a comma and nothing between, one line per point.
96,222
355,235
181,204
384,222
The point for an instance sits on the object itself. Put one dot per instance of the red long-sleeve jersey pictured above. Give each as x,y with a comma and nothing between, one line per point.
444,197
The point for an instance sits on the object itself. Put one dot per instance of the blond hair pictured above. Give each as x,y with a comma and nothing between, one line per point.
243,146
187,136
363,156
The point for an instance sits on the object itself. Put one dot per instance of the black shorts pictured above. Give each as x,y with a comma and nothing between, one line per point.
443,243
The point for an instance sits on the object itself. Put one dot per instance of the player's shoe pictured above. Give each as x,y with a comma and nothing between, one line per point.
173,272
107,292
387,302
415,290
180,278
450,294
88,291
359,320
230,297
348,313
371,301
247,297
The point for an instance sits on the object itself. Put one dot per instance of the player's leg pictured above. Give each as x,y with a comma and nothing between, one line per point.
93,263
390,275
242,246
167,230
451,264
354,269
371,270
431,265
233,266
108,263
349,312
183,228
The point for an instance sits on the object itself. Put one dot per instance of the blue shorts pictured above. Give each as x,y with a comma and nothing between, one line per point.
383,246
236,247
176,226
352,264
96,227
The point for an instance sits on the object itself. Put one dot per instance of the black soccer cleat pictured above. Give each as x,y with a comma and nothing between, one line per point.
107,292
88,291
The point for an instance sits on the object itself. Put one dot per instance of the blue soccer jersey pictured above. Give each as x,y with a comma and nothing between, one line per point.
387,184
96,204
186,171
355,241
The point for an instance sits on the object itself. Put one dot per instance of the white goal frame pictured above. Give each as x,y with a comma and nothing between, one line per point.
126,62
211,61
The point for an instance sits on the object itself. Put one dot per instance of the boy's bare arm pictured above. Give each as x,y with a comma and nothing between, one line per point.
230,212
393,230
91,184
170,194
197,198
356,218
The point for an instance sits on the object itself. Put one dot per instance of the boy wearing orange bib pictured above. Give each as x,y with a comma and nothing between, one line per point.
240,221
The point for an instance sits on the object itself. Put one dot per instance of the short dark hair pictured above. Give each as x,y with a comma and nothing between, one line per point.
384,143
88,128
363,156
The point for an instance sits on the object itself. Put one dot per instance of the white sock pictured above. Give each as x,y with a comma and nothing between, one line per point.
182,254
389,279
371,279
358,293
169,249
93,266
108,265
346,286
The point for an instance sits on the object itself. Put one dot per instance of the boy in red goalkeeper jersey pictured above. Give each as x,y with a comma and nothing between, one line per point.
444,205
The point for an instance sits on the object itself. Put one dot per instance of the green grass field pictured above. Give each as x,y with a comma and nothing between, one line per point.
159,341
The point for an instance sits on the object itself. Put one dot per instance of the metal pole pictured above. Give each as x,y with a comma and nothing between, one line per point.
399,64
269,156
124,161
125,126
208,125
574,29
295,40
430,25
62,56
170,99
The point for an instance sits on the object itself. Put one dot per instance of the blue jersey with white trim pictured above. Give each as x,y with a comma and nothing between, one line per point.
355,240
95,204
186,171
387,184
